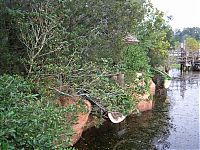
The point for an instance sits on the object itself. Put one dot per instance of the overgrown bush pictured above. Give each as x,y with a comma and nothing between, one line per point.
69,40
29,120
78,44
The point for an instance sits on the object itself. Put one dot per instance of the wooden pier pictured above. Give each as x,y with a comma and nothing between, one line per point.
187,60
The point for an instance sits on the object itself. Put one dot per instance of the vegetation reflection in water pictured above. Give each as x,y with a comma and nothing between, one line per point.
136,132
156,129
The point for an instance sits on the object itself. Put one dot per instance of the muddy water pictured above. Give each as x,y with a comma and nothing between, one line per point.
172,124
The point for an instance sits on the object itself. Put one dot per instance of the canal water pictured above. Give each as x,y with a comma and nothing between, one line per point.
172,125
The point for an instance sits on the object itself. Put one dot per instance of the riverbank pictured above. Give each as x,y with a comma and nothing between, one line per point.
172,124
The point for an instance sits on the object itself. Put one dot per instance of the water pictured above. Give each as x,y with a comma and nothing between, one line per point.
172,124
184,111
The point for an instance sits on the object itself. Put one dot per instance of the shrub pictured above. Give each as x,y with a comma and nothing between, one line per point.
29,120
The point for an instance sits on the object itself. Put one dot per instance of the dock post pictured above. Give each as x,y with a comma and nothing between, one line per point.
182,67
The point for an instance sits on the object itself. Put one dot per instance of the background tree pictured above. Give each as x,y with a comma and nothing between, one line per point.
193,32
155,36
192,44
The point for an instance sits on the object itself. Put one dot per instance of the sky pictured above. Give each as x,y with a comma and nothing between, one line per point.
185,13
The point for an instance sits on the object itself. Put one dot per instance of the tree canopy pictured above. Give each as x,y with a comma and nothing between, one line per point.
192,44
75,47
187,32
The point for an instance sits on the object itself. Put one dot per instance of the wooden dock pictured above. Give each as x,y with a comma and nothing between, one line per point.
187,60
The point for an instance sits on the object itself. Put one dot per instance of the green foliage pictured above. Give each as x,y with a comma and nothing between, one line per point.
187,32
30,120
112,95
177,45
135,59
192,44
78,44
155,35
163,74
68,39
54,31
175,66
10,53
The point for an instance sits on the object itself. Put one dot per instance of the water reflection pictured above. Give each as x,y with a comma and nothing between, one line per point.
146,131
173,125
183,81
184,110
135,133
